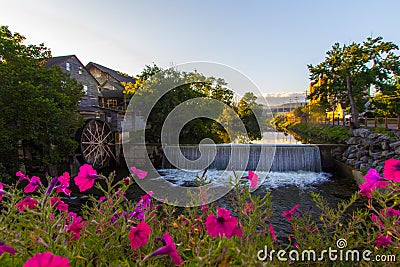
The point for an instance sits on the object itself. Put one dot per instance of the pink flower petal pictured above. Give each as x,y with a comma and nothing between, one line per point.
253,179
86,177
272,232
27,202
139,173
5,248
383,241
170,249
47,259
223,226
391,170
139,235
58,204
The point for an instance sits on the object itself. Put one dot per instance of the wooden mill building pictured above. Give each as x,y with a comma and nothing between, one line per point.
103,106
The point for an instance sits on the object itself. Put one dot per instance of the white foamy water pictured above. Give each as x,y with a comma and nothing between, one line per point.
300,179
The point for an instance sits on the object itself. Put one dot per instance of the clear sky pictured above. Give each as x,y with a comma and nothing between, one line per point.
269,41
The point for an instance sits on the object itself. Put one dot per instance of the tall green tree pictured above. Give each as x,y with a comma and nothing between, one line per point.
349,71
250,113
37,107
195,85
191,85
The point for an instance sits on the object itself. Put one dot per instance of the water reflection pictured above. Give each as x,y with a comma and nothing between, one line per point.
272,137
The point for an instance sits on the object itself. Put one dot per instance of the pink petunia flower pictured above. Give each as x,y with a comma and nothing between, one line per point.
139,235
366,190
139,173
6,248
2,192
253,178
289,213
372,180
58,204
146,199
86,177
168,248
21,176
237,232
391,170
63,181
223,226
76,225
373,177
47,259
27,202
272,232
34,183
127,180
383,240
390,212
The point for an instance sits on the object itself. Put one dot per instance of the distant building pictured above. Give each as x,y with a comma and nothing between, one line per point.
338,113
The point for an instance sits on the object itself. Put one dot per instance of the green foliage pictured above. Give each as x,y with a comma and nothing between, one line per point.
300,112
192,85
348,72
387,105
104,240
104,236
37,107
381,130
317,133
250,113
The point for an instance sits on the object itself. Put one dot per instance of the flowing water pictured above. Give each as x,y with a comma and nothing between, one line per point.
263,157
295,172
286,188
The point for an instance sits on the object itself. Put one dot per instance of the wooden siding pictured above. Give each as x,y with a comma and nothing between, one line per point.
76,70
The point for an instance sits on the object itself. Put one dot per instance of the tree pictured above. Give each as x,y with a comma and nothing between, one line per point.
387,105
37,107
131,88
191,85
349,71
250,113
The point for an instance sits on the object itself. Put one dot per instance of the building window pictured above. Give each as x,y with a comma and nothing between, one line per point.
80,71
85,89
67,66
112,103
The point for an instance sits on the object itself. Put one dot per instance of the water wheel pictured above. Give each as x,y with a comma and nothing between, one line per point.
97,143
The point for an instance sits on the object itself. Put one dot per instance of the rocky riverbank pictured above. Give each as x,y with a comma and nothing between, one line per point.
369,150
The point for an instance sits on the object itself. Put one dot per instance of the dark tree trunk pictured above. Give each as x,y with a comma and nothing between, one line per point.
354,110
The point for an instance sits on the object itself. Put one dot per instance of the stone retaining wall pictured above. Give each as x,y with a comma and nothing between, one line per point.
369,150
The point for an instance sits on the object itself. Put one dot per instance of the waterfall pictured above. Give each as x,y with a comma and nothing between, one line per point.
260,157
